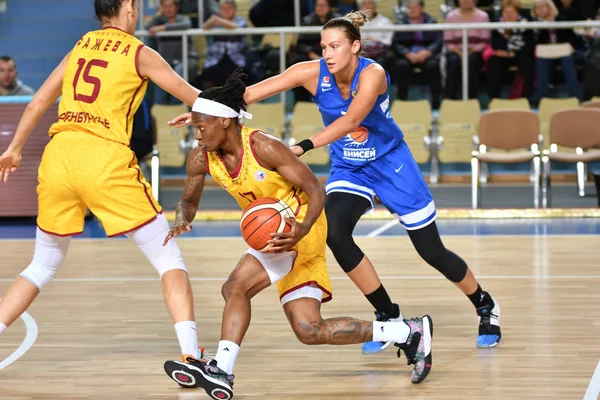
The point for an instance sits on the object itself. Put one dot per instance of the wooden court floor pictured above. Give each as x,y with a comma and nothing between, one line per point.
104,332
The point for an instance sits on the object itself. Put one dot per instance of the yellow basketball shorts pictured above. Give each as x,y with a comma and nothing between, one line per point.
302,272
80,170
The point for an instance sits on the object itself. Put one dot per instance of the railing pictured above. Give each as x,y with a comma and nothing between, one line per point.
282,31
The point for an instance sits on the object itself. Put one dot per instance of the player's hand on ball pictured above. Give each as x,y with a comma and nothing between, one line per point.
297,150
181,120
9,162
285,241
179,228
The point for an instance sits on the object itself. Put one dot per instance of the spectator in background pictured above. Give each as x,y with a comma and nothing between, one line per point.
511,48
308,45
418,50
225,53
210,7
591,65
376,45
10,85
272,13
477,42
554,46
592,34
168,18
569,10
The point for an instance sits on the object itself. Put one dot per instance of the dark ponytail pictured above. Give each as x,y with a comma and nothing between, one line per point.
107,8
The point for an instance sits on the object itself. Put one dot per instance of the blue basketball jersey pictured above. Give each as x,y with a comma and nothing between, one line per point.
377,135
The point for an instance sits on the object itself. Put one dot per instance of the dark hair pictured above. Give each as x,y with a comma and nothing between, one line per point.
231,94
350,23
8,59
107,8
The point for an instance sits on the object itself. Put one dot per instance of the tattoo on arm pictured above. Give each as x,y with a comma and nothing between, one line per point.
194,184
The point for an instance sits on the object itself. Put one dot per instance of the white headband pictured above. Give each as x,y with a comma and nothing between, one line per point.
216,109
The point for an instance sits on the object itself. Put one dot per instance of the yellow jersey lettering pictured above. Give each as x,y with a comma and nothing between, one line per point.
126,50
98,43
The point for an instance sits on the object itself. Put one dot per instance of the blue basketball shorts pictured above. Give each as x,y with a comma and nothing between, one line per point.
396,180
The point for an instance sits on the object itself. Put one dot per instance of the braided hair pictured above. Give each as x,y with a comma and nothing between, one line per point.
231,94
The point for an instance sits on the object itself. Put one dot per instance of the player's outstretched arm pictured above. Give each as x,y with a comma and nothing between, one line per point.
304,74
301,74
275,155
44,98
153,66
192,192
371,84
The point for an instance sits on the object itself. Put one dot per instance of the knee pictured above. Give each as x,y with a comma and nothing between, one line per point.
172,261
227,289
50,252
567,61
343,247
39,274
338,232
433,255
446,262
432,64
233,287
308,333
337,235
403,66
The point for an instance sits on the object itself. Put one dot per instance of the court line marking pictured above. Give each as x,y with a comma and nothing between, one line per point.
31,333
444,235
383,228
593,390
334,278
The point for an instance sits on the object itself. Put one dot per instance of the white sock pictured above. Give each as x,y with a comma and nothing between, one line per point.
188,339
2,327
226,355
390,331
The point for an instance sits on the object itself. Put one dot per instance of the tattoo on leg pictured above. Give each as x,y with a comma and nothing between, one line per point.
341,330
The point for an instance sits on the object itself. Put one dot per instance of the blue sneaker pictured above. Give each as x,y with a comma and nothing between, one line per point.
376,347
489,324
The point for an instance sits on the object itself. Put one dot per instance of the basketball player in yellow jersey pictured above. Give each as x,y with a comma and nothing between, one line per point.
88,162
249,165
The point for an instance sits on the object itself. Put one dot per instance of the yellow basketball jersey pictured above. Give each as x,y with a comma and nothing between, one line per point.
102,88
251,180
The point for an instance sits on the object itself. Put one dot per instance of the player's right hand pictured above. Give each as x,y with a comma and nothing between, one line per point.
181,120
9,162
179,228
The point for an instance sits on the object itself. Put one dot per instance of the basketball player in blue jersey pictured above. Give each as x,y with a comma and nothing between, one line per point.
371,161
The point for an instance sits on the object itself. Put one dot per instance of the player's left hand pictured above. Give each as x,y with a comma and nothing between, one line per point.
9,162
182,120
297,150
285,241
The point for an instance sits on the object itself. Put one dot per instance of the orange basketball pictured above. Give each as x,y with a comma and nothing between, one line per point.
360,135
262,218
